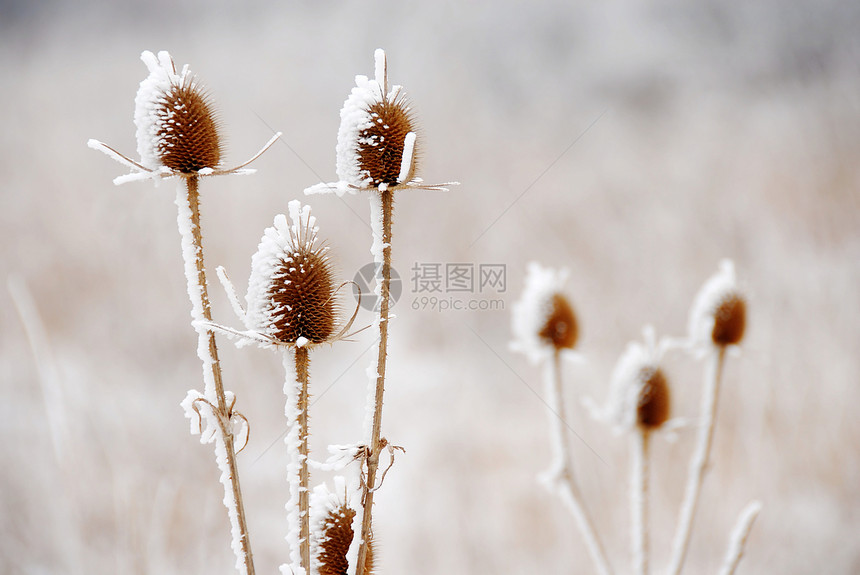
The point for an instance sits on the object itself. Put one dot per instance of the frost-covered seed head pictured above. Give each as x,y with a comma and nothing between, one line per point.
639,396
652,409
188,133
376,142
729,320
380,145
291,293
176,123
543,320
337,535
718,314
560,329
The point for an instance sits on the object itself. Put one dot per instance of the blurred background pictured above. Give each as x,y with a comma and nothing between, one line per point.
635,144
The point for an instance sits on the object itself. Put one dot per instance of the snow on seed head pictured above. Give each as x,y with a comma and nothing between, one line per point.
376,142
652,407
639,395
543,320
718,313
176,124
560,328
291,292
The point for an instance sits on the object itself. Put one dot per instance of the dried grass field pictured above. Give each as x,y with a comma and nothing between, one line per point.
636,145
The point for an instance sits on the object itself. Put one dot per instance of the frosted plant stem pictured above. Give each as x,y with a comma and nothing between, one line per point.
699,460
302,365
195,272
387,199
561,477
739,537
639,499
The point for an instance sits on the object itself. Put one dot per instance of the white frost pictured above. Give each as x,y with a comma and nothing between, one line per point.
407,162
292,389
377,248
148,104
195,289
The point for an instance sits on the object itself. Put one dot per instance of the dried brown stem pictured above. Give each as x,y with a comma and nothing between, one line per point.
211,363
373,460
302,368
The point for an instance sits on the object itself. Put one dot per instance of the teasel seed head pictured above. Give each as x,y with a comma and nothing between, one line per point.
652,409
543,319
337,535
377,138
381,145
729,320
718,314
188,132
177,127
560,328
292,297
639,394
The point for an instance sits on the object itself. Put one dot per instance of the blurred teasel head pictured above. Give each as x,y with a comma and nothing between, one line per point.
543,319
292,297
639,396
376,141
718,314
176,123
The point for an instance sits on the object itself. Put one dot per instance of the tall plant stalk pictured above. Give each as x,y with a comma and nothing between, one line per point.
699,461
302,369
563,479
188,202
639,448
386,198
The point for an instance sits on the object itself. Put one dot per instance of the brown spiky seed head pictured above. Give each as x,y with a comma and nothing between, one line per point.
187,135
381,146
652,409
730,319
337,537
560,328
304,292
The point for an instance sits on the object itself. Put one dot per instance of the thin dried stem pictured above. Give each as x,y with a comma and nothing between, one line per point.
739,537
699,460
302,368
639,445
387,198
561,477
207,350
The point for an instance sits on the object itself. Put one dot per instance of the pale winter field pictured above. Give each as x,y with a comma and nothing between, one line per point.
636,145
